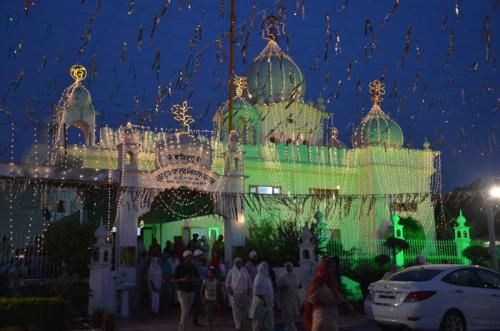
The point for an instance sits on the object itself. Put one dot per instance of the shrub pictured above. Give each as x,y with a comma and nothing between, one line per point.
477,255
364,274
43,313
382,260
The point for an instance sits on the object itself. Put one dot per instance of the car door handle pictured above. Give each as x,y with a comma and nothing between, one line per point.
459,291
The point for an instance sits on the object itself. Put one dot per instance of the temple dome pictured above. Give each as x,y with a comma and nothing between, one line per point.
377,129
273,76
78,99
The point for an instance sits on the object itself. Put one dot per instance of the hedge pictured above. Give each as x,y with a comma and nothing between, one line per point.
38,313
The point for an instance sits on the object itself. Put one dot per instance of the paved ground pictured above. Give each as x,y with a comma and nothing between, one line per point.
148,322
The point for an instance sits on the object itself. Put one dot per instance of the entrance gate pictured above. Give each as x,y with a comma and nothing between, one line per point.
181,160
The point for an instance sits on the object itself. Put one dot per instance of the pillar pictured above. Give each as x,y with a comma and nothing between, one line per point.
232,202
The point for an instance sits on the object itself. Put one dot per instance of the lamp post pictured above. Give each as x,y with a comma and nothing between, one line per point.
494,195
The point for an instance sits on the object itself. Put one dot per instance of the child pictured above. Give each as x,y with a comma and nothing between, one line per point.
209,294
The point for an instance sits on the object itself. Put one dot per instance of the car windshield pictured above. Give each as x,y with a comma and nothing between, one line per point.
415,275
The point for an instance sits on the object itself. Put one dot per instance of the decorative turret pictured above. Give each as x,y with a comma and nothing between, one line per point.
128,151
100,278
377,128
462,237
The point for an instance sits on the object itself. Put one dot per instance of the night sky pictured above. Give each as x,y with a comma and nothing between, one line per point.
447,86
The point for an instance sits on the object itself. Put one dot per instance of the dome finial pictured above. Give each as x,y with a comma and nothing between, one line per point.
78,72
377,90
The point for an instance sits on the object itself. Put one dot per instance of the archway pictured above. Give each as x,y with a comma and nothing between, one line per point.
181,211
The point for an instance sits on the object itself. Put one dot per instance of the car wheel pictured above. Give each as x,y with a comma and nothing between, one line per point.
453,321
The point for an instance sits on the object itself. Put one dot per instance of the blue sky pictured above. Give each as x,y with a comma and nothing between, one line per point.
448,93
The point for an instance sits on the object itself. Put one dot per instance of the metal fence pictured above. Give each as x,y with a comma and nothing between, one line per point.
364,251
23,257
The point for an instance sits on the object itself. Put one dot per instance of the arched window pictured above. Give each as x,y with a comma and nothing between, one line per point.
129,158
96,254
105,257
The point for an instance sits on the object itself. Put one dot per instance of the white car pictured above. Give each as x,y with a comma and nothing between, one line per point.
437,297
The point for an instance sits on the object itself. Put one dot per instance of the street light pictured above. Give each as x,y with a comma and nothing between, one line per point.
494,194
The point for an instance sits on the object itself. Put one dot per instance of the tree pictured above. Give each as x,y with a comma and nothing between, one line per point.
471,201
412,228
68,241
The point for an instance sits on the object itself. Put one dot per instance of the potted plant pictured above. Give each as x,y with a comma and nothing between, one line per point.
104,319
108,321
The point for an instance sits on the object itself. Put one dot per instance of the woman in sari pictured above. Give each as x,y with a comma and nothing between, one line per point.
288,286
323,299
261,309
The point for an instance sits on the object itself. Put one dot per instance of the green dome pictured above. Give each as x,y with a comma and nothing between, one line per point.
274,77
377,129
78,99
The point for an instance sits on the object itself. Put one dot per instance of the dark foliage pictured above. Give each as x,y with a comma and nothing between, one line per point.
68,241
477,255
42,313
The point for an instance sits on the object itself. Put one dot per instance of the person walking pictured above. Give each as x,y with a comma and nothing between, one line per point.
252,264
261,309
201,268
185,277
238,287
209,293
155,280
218,246
288,286
323,299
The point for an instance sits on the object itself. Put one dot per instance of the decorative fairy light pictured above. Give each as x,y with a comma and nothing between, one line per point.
241,85
180,112
11,193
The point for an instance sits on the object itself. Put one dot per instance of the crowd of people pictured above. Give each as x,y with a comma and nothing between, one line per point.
203,289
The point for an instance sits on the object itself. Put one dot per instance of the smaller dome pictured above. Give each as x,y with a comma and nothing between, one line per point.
78,99
377,129
240,106
461,220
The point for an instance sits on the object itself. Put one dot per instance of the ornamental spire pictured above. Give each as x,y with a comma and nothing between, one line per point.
78,72
272,27
377,90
